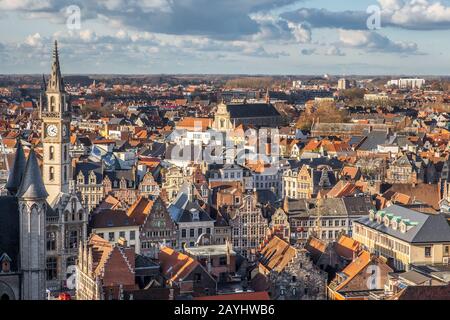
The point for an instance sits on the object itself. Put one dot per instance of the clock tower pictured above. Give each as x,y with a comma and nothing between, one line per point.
56,134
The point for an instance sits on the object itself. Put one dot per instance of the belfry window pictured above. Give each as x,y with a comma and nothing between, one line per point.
52,104
52,153
52,174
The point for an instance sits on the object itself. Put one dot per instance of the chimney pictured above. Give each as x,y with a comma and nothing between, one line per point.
122,242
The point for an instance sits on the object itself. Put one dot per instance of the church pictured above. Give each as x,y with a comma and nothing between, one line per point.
229,116
42,221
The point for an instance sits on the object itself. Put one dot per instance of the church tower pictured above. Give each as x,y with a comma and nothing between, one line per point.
32,216
222,121
56,134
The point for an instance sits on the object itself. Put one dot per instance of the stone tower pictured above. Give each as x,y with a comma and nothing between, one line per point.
56,134
32,210
222,120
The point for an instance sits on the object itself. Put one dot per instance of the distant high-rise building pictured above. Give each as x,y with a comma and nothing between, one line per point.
407,83
343,84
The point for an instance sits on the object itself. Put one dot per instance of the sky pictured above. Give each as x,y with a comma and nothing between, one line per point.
294,37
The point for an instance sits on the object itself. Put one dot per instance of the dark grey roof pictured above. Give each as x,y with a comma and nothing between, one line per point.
252,110
117,175
32,186
86,168
346,207
9,229
429,228
16,174
374,139
182,207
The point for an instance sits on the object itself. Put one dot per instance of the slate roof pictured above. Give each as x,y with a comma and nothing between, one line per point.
351,206
110,219
252,110
86,168
429,228
374,139
16,174
32,186
180,209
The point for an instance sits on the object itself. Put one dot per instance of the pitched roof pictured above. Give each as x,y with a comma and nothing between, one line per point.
427,228
32,186
252,110
276,254
140,209
346,247
16,174
191,123
175,265
354,268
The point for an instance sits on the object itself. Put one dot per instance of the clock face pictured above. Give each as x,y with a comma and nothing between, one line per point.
52,130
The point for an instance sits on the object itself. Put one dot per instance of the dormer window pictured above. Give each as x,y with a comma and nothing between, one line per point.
402,227
379,218
394,225
372,215
195,215
80,178
386,221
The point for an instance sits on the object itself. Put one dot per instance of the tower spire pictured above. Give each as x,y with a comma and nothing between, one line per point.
16,174
32,186
56,82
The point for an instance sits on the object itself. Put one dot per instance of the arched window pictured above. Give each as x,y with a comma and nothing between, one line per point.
52,104
65,153
65,173
52,174
51,241
52,153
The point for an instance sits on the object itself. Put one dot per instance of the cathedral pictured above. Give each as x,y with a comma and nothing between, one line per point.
42,220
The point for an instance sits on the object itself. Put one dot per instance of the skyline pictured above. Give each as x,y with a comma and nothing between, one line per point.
261,38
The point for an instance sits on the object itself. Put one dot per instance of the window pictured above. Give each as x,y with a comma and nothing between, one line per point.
122,234
51,155
101,235
132,235
427,252
191,233
200,231
51,241
52,265
223,261
52,104
52,174
73,239
208,231
111,236
183,233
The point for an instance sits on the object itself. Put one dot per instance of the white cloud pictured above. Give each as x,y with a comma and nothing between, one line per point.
373,41
301,32
334,51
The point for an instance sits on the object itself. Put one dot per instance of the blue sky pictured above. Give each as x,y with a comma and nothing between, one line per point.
227,36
